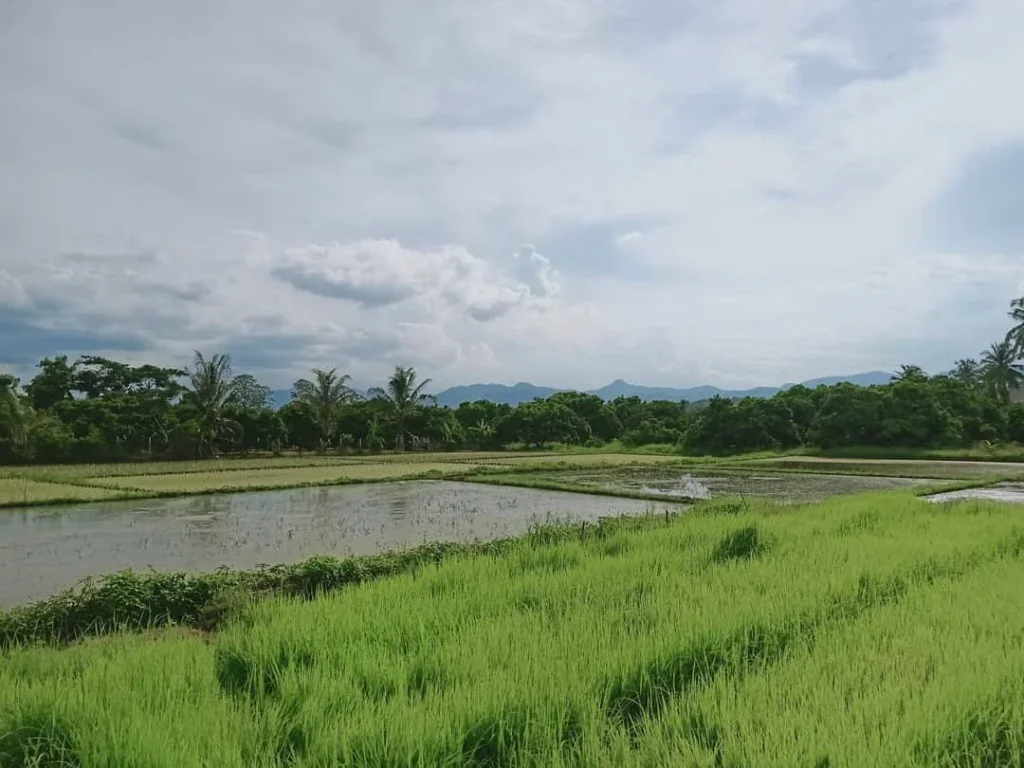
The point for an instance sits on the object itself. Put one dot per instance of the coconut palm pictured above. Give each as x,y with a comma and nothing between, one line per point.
402,396
325,394
1016,334
966,370
1000,368
211,388
909,373
15,413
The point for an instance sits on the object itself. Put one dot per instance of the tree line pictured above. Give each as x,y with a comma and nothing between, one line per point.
97,410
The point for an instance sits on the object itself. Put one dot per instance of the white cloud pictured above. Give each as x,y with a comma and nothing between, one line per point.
761,173
381,273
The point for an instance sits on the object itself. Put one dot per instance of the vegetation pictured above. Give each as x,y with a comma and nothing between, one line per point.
323,397
132,601
402,396
653,642
97,410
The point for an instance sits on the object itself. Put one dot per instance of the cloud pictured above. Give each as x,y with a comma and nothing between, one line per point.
380,273
728,191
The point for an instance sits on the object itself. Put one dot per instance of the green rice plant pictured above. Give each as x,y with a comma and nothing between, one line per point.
866,630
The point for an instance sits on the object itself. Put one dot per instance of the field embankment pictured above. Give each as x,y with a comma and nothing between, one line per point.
865,630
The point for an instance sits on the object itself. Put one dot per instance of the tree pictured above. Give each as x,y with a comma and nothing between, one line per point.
966,370
53,383
324,396
1016,334
249,393
211,388
1000,368
15,415
402,396
909,373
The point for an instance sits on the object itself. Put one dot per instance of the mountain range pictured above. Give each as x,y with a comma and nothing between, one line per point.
523,392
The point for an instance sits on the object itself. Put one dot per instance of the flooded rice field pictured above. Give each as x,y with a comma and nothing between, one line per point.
702,484
45,549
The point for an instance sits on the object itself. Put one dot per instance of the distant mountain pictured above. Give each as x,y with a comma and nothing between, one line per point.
496,393
524,392
279,397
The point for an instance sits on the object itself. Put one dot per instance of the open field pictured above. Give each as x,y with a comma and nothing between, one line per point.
253,479
57,483
927,468
16,490
873,630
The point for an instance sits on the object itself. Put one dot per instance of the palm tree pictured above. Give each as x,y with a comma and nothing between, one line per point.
211,388
966,370
1000,368
324,395
402,395
15,413
909,373
1016,334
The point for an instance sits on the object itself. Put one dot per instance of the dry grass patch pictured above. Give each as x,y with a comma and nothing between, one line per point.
201,482
15,491
592,459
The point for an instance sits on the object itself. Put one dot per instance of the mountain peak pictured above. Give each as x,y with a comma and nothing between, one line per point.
523,391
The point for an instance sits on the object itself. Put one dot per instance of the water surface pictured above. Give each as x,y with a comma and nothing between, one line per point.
1008,492
45,549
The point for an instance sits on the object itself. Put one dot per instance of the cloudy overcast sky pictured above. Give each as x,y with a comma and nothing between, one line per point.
673,192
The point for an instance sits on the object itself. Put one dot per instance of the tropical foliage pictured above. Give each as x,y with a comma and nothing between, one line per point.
323,395
402,395
96,409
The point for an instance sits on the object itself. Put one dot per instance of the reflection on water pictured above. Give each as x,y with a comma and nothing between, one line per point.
1008,492
43,550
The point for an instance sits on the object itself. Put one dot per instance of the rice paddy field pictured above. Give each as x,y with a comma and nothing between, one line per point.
23,486
865,630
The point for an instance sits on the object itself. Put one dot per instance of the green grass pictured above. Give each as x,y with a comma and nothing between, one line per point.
261,479
24,492
981,452
922,468
873,630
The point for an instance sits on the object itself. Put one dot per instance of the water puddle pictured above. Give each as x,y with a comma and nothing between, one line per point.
1008,492
43,550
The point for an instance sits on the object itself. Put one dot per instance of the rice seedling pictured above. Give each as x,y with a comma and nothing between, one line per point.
865,630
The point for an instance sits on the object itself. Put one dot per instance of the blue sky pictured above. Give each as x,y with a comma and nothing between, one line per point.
560,191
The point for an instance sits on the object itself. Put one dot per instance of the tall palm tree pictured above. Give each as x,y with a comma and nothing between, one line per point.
1016,334
1000,368
909,373
15,413
402,395
325,395
211,388
966,370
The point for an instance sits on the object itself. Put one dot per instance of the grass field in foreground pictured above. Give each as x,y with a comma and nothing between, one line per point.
873,630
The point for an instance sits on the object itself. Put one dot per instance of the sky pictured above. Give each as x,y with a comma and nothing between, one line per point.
567,192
